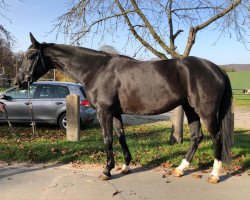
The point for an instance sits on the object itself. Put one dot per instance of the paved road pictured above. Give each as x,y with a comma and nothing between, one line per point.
64,182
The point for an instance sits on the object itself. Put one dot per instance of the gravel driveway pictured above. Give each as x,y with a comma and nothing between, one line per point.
241,118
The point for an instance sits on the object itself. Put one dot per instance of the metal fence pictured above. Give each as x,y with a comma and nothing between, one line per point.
241,91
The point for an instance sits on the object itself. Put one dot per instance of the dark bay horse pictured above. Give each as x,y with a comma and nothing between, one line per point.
117,84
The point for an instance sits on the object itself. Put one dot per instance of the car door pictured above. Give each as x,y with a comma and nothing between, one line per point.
48,103
18,108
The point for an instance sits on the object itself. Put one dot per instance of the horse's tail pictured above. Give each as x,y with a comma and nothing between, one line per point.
226,116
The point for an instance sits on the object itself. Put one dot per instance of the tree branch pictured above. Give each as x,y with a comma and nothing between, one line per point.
193,30
170,24
177,33
82,33
137,36
153,33
196,8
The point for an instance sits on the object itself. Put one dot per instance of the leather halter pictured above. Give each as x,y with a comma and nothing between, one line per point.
29,73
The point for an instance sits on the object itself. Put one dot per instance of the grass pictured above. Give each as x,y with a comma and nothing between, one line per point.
3,88
148,144
240,81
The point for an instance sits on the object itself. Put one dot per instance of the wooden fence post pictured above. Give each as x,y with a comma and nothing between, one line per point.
73,117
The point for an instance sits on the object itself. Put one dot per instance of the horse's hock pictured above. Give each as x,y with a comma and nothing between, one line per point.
73,117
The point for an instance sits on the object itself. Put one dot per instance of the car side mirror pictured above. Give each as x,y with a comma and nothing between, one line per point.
5,97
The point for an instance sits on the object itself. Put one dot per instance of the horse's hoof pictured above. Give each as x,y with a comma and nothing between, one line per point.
104,177
178,173
125,169
213,179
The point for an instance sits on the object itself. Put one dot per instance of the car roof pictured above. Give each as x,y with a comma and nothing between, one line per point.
49,83
57,83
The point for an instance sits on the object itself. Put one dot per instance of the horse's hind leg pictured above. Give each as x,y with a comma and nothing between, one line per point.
118,126
196,138
213,128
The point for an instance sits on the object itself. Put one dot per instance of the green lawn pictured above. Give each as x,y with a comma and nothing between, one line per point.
240,81
148,143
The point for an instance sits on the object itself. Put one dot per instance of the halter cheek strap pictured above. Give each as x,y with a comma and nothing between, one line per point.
31,70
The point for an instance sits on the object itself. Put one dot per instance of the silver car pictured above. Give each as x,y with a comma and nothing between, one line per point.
49,103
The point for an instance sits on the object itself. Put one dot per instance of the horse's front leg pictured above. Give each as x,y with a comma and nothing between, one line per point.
105,119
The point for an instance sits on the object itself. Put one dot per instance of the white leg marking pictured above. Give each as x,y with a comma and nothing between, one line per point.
125,168
216,168
184,165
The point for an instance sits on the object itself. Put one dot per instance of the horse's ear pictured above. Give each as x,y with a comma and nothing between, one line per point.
34,42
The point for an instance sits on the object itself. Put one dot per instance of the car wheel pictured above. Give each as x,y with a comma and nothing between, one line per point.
62,122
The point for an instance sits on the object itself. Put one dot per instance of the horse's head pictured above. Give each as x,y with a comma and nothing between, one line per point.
34,65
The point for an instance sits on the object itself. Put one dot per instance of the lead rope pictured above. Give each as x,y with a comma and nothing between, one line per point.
33,124
5,114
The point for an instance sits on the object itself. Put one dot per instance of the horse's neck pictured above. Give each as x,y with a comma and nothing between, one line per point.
78,63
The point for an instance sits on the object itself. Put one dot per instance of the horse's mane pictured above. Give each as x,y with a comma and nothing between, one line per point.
101,53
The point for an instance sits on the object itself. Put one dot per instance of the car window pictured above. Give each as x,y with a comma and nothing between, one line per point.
83,92
75,89
64,92
53,91
21,94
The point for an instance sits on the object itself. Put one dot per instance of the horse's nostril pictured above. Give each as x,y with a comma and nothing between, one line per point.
16,84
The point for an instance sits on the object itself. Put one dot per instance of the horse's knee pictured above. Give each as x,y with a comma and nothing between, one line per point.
108,142
196,132
197,138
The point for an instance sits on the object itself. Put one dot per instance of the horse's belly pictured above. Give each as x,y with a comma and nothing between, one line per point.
147,105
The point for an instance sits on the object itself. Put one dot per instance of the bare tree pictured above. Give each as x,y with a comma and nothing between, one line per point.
4,33
9,61
155,25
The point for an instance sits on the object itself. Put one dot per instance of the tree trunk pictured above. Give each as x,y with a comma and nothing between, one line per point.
177,125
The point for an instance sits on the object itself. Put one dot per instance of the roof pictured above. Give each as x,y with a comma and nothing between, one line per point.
56,83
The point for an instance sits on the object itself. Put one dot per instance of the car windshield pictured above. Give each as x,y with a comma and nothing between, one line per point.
21,94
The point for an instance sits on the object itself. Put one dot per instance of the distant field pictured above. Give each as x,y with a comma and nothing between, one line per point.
240,81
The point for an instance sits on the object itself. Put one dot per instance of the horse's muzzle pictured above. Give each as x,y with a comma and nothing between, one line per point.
20,86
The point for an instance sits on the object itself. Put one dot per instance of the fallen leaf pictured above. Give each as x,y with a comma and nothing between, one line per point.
197,175
118,168
206,170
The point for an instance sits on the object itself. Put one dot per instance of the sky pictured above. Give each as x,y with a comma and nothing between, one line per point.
38,17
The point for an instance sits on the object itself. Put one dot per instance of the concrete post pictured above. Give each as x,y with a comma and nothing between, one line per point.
73,117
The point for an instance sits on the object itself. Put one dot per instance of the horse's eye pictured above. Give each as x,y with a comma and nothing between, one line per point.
31,53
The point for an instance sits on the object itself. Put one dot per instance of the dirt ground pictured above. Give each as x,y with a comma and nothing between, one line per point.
241,118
